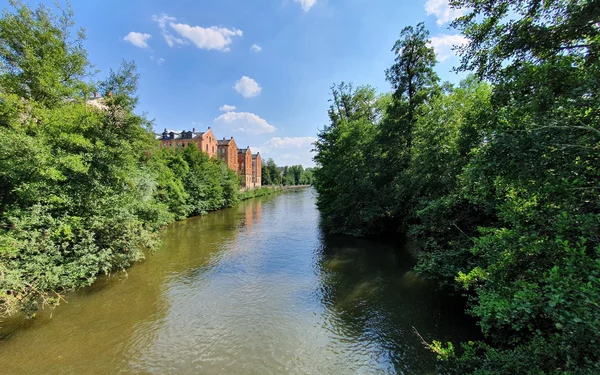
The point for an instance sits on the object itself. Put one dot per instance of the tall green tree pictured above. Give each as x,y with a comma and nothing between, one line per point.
347,154
271,174
40,58
414,83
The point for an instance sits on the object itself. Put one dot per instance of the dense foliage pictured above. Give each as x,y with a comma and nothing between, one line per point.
497,179
271,174
83,186
296,175
288,176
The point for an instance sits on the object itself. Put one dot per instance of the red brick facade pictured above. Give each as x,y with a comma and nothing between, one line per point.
256,170
204,141
228,152
245,166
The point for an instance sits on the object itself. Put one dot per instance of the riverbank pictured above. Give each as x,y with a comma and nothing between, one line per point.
262,191
295,187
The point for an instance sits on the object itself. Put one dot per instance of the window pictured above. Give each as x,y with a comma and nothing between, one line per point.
206,148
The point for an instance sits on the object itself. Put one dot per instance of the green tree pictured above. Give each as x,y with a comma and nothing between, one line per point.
414,83
347,154
40,59
266,176
271,174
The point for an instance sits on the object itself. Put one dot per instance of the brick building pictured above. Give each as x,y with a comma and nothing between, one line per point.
256,170
245,166
205,141
228,152
242,161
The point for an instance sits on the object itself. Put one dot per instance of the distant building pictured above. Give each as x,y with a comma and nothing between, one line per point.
204,141
228,152
245,166
256,170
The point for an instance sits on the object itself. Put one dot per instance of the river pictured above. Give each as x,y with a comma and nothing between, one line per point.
256,289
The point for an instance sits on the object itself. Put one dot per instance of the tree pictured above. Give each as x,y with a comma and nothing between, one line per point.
266,176
412,76
271,174
40,59
346,154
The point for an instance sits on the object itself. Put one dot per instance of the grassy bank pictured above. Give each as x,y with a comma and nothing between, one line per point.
265,190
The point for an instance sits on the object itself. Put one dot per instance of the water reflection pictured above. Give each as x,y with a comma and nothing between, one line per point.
375,299
252,290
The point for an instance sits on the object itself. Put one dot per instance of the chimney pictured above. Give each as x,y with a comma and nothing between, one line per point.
194,130
95,95
223,138
209,127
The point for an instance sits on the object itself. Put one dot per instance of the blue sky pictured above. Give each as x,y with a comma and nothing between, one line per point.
273,60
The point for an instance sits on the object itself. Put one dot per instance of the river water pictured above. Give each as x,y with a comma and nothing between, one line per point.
256,289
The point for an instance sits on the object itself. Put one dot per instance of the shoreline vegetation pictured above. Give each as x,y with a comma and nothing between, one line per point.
84,188
497,179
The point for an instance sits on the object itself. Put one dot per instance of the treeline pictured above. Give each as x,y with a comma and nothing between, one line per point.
83,186
497,179
288,176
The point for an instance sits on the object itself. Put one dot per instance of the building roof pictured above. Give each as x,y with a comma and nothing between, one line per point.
224,142
255,156
166,135
242,150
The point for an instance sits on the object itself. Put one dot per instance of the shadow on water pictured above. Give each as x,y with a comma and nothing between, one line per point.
374,296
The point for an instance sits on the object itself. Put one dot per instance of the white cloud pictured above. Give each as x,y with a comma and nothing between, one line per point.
289,150
247,87
256,48
227,108
286,142
244,122
218,38
162,21
159,60
442,44
441,9
138,39
209,38
306,4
